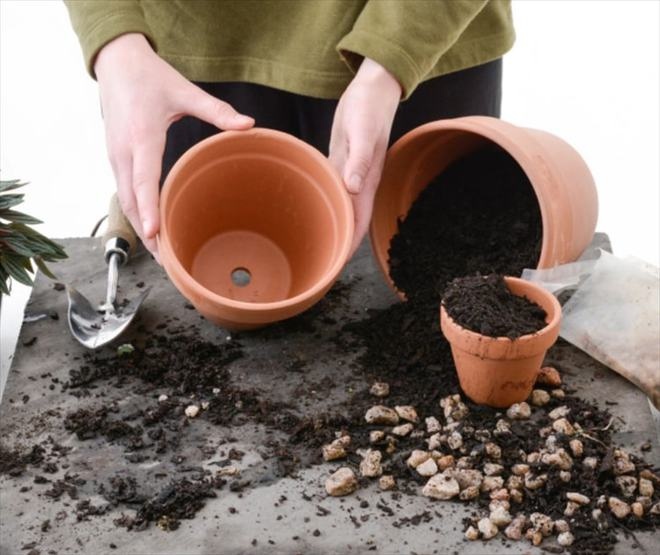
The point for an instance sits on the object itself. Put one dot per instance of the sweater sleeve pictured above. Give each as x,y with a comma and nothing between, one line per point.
98,22
407,37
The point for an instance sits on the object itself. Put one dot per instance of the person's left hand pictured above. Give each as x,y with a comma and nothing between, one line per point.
360,134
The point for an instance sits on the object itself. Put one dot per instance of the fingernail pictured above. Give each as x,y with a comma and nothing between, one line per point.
355,184
242,120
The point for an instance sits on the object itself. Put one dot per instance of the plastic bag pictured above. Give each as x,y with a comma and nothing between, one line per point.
613,315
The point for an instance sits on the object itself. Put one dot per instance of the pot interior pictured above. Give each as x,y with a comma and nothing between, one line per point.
256,225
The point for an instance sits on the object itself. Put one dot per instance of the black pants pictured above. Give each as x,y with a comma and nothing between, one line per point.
473,91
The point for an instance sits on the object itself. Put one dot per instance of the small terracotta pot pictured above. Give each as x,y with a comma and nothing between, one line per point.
255,227
561,180
498,371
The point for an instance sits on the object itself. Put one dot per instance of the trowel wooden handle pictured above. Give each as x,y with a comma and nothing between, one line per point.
119,236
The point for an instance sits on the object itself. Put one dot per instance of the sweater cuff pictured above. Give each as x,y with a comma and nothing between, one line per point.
357,45
108,28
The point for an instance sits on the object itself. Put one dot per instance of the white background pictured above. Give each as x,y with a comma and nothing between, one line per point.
585,70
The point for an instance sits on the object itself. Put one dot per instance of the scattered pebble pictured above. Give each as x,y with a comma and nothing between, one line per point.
192,411
341,482
577,448
542,523
493,450
432,425
492,469
380,414
558,393
559,412
334,450
386,482
380,389
402,430
376,436
563,426
454,409
427,468
565,539
441,486
637,509
469,493
646,488
590,462
500,517
627,485
370,466
519,411
407,412
620,509
455,440
472,533
561,526
540,397
162,398
577,498
417,457
487,528
549,376
515,529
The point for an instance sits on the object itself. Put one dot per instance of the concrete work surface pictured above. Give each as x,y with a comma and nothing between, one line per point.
285,515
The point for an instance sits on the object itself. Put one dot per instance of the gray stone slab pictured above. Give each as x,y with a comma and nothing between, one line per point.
259,512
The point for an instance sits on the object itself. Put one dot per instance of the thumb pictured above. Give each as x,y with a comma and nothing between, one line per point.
360,154
214,111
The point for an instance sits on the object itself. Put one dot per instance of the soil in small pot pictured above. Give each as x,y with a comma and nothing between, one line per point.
485,305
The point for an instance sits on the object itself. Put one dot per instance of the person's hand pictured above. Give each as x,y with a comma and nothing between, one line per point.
141,95
360,134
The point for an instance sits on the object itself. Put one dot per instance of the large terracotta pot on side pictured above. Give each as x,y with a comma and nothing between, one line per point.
498,371
255,227
561,180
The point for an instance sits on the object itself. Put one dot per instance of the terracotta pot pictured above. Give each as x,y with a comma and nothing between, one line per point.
255,227
498,371
561,180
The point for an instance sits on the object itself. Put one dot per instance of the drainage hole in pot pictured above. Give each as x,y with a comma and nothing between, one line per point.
241,277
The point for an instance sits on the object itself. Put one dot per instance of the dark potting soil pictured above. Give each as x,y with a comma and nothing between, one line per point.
479,216
484,304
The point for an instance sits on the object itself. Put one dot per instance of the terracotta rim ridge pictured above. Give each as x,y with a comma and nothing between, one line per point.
178,269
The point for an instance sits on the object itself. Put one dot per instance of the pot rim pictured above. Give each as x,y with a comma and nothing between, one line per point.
528,156
473,337
180,272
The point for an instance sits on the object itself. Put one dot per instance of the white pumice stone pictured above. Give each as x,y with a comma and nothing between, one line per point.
205,405
622,462
370,465
655,509
561,459
500,517
341,482
637,509
646,488
543,523
446,461
491,483
590,462
407,412
434,441
427,468
495,503
515,482
540,397
464,462
532,481
646,502
472,534
563,426
565,539
577,448
333,451
501,494
386,482
561,526
565,476
520,469
627,485
403,429
192,411
492,469
493,450
516,495
380,389
162,398
558,393
487,528
376,435
466,477
533,457
418,457
620,509
441,486
469,493
502,427
519,411
571,508
515,529
455,440
577,498
432,424
454,408
380,414
559,412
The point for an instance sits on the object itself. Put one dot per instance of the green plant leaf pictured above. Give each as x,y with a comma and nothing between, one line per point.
10,185
18,217
5,285
13,265
7,201
44,269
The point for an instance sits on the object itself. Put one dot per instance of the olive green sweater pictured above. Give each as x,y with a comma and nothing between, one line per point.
309,47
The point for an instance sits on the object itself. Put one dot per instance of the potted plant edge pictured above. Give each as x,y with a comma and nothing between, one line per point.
20,244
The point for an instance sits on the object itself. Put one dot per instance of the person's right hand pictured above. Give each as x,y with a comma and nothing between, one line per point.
141,95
